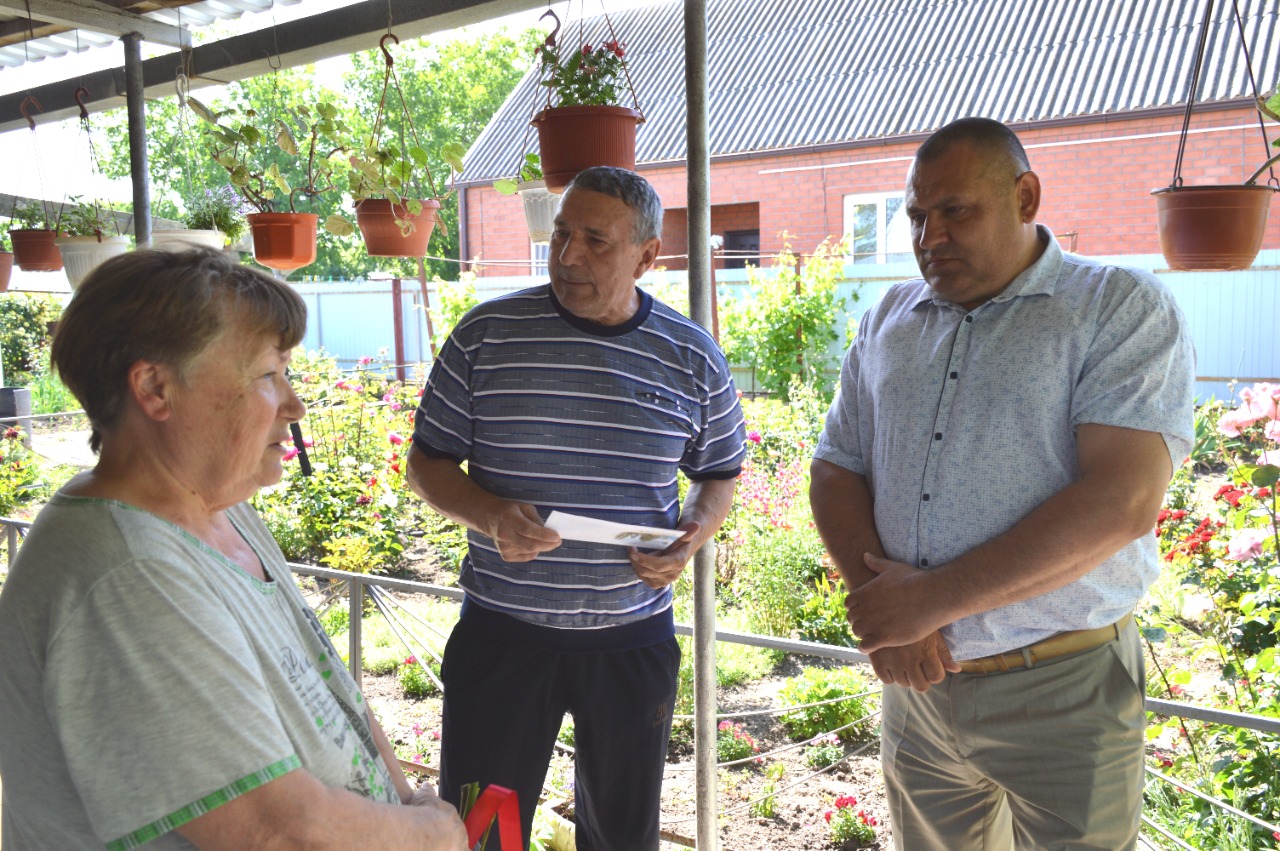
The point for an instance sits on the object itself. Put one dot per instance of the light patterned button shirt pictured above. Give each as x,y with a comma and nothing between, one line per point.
963,422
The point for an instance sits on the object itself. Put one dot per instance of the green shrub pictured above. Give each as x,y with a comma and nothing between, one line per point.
21,479
24,333
825,750
733,743
787,325
819,684
823,618
350,512
381,660
776,570
414,681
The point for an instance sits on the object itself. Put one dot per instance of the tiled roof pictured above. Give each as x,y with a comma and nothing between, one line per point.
796,73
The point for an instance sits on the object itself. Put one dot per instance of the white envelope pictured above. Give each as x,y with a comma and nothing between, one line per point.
574,527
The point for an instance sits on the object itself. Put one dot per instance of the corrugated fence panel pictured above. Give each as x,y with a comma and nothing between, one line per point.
1233,315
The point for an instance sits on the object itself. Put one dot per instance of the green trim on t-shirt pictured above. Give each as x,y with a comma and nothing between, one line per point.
209,802
268,588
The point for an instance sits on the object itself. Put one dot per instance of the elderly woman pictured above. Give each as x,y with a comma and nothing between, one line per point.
164,681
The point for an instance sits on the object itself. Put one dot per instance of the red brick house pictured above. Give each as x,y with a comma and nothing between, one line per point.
818,105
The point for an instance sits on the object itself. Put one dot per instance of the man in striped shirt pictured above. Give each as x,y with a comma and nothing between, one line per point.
584,396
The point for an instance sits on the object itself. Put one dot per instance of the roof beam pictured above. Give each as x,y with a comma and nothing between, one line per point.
98,17
324,36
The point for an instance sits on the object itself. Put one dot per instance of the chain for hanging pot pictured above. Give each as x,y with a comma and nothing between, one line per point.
1201,41
390,77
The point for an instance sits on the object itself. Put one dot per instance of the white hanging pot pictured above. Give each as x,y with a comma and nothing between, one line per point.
82,254
183,238
539,209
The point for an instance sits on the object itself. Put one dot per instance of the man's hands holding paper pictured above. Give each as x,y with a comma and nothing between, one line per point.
660,569
518,532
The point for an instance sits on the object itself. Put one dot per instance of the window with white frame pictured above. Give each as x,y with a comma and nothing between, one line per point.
877,228
538,254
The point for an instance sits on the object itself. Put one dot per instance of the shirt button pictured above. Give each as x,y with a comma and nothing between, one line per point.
955,375
925,497
924,562
968,319
937,435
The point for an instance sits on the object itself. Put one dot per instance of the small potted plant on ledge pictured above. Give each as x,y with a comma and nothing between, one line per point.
583,124
214,218
281,240
395,192
32,237
539,203
92,236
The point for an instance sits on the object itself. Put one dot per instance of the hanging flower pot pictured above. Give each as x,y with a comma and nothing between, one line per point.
380,225
539,209
1212,228
35,250
83,254
6,270
574,138
182,239
284,241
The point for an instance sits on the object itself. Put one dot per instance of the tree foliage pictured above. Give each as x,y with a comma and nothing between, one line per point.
788,324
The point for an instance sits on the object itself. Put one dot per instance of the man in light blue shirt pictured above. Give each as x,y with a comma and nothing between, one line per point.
987,483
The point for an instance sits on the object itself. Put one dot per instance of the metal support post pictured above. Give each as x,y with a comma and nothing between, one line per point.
355,641
137,109
704,562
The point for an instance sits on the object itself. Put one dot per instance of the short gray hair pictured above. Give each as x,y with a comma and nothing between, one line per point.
165,307
629,188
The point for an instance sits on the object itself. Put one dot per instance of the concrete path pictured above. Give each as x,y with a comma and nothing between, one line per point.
65,447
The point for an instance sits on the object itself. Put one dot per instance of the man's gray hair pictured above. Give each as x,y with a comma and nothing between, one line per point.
629,188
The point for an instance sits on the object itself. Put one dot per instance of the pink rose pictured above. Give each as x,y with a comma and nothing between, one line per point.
1246,545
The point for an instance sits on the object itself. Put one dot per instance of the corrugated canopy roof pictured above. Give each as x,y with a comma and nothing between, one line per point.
817,72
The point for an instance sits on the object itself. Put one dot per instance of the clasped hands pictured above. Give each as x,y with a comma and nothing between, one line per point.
897,617
520,535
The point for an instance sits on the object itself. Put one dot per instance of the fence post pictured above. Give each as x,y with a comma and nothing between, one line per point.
355,621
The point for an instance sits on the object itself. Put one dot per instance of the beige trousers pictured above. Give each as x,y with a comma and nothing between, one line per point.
1045,758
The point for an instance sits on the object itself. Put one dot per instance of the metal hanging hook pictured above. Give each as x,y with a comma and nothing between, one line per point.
30,100
550,40
382,45
80,95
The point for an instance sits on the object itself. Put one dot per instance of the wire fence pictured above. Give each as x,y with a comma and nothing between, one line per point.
400,619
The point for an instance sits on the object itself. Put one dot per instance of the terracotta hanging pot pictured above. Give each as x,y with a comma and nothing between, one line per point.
539,209
1212,228
573,138
6,270
83,254
380,226
284,241
182,239
35,250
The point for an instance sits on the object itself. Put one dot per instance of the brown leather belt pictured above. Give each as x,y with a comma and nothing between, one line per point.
1062,644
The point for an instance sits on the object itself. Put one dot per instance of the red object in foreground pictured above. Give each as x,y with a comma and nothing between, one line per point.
496,803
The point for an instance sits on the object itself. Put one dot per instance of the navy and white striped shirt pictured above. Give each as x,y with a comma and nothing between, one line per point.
568,415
